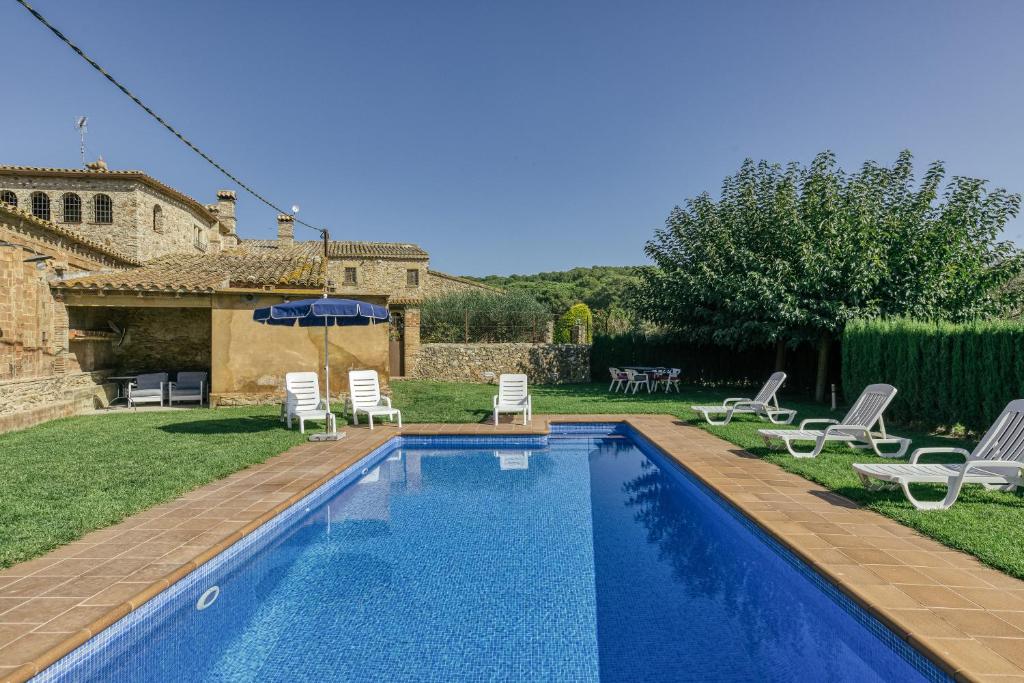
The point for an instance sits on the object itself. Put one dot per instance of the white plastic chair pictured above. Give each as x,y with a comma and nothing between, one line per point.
189,386
995,463
855,429
148,388
618,379
364,397
672,380
765,405
303,401
513,397
634,380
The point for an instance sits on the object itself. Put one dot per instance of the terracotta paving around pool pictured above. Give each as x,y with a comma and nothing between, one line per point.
963,615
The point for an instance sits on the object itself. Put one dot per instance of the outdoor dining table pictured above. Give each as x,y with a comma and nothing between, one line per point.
122,387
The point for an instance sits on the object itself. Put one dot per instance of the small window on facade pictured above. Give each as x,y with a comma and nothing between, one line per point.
103,209
8,197
41,205
72,208
198,238
158,218
412,278
350,276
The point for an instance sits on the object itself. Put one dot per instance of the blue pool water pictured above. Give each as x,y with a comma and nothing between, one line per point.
579,558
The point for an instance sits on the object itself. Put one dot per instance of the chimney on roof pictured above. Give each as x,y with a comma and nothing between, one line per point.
285,228
226,211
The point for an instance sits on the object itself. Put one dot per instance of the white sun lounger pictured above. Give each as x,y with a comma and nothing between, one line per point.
364,397
765,405
513,397
995,463
855,429
303,401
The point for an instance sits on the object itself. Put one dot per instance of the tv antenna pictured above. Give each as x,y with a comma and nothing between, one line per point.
81,123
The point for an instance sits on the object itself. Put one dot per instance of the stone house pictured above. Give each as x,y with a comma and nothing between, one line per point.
105,272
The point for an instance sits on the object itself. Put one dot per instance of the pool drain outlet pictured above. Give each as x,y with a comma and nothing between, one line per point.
208,598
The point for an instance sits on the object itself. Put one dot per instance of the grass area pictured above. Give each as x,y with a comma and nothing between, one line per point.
987,524
64,478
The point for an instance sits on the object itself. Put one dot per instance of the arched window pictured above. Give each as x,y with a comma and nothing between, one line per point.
72,208
102,209
41,205
8,197
158,218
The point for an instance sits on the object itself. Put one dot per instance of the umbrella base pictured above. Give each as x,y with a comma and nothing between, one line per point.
334,436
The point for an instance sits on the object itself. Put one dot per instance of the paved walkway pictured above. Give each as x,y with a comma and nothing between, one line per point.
966,616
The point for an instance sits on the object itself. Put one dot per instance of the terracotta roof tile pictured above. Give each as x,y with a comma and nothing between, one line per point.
203,273
339,249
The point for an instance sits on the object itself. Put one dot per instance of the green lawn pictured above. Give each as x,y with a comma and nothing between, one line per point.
64,478
988,524
67,477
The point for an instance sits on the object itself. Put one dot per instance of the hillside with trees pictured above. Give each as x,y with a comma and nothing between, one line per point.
607,290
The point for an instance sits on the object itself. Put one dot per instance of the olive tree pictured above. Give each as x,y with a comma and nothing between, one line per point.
791,254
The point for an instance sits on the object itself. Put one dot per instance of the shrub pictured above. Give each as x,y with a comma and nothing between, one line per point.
480,316
946,373
578,314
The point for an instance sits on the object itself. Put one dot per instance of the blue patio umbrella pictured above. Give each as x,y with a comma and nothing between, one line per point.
323,312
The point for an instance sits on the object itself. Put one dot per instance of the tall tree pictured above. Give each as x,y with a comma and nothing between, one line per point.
791,254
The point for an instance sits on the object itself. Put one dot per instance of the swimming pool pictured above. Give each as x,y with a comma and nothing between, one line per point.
585,556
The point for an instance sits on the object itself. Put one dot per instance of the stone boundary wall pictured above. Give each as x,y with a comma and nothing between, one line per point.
543,363
27,402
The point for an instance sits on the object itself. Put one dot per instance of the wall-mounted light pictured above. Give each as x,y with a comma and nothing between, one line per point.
40,260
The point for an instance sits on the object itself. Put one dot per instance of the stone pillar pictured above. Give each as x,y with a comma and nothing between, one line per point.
285,228
549,332
60,344
226,216
411,341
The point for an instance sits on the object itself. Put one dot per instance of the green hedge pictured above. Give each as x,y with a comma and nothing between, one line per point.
706,364
946,373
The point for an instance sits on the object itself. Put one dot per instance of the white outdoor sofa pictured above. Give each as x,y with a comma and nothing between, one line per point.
364,397
513,397
147,388
765,405
856,429
303,401
995,463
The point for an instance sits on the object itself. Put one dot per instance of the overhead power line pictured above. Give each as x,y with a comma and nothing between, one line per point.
57,32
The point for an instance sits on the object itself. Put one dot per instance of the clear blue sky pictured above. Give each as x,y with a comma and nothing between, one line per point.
512,136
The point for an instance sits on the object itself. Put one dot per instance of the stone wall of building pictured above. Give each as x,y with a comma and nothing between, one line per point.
388,276
174,228
28,340
162,339
26,402
131,230
543,363
439,284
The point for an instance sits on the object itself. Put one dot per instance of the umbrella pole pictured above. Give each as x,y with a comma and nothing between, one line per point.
330,432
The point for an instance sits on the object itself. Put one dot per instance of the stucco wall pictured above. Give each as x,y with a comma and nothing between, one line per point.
543,363
250,360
